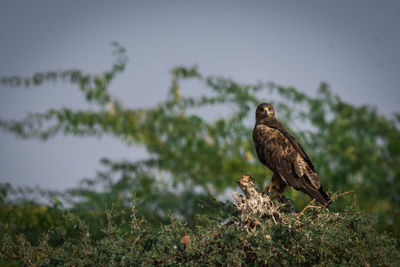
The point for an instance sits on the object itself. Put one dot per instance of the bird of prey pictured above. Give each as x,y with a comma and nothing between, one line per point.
285,157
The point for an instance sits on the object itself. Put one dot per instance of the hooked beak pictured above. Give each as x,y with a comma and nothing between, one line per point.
266,111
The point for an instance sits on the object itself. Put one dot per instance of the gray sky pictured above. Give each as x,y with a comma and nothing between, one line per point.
352,45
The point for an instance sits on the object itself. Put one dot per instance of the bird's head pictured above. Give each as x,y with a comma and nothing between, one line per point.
265,110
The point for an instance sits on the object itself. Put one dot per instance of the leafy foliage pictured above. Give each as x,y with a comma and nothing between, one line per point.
311,238
194,155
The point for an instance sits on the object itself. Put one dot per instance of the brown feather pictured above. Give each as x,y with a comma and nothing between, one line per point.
281,153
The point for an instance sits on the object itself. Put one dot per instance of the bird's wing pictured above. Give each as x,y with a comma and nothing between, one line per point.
301,162
283,154
294,142
277,153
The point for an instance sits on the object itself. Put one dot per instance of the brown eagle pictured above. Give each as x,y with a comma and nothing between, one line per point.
285,157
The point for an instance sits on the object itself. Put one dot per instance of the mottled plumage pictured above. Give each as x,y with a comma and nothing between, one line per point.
284,156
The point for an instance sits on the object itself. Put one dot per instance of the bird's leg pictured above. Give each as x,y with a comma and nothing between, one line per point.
276,185
278,191
270,188
267,189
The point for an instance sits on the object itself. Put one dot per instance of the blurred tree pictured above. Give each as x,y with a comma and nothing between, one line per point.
194,156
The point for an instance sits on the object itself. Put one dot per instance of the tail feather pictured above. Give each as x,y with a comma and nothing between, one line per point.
324,195
319,195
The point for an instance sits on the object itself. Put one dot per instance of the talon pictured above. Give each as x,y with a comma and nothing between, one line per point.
267,189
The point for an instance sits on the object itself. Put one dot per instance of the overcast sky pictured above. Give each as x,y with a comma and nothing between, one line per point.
352,45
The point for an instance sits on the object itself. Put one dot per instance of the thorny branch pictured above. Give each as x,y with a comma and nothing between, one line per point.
254,206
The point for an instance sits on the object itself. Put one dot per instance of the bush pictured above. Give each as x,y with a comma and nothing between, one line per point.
311,237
